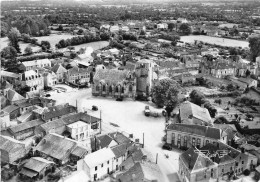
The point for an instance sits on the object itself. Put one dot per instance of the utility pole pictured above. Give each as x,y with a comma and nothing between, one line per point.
156,158
100,122
143,140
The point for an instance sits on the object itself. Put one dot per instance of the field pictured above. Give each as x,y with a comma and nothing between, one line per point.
4,43
215,40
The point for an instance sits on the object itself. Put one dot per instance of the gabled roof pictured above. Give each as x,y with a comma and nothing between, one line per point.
120,138
13,95
26,125
204,131
80,117
101,141
37,164
194,159
38,62
53,124
119,150
9,74
99,157
188,109
10,108
56,67
58,111
142,171
79,151
56,146
111,76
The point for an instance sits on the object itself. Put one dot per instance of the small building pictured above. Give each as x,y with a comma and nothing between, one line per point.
30,65
77,75
34,80
195,166
12,110
36,168
57,147
120,152
11,150
4,119
13,97
11,77
24,130
49,79
248,81
60,72
80,130
193,114
97,164
142,171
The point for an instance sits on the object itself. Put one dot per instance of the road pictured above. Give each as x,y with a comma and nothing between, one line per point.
129,115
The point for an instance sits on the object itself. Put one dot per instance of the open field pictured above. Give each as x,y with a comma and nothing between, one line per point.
215,40
129,116
4,43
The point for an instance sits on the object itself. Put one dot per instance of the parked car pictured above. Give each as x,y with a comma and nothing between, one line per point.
94,108
167,146
119,99
147,111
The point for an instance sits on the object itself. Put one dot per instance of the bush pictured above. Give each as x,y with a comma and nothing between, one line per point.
246,172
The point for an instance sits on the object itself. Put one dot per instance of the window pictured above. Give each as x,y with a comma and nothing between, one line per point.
198,142
102,165
116,160
223,170
173,138
107,162
104,88
95,168
185,141
242,162
110,89
122,89
193,142
236,163
116,167
130,88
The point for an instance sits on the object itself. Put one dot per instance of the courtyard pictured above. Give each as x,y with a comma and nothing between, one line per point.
130,118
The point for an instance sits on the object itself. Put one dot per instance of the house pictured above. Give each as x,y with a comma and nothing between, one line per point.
12,78
120,152
13,97
188,135
229,159
218,69
195,166
190,113
97,164
39,63
102,141
4,119
25,106
12,110
162,26
24,130
34,80
57,147
36,168
11,150
248,81
49,79
115,83
59,126
60,72
79,153
54,112
230,129
77,75
142,171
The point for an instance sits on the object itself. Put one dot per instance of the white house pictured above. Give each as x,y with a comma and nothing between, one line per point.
97,164
29,65
162,26
50,79
33,79
80,130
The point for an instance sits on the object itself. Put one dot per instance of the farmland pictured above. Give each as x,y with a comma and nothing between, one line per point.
215,40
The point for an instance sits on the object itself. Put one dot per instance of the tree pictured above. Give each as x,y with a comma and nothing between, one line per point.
254,44
142,32
45,45
13,37
248,72
161,91
104,36
60,28
185,28
171,98
171,26
8,52
233,51
28,50
231,87
4,29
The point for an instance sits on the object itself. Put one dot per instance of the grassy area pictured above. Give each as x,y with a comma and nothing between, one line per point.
215,40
